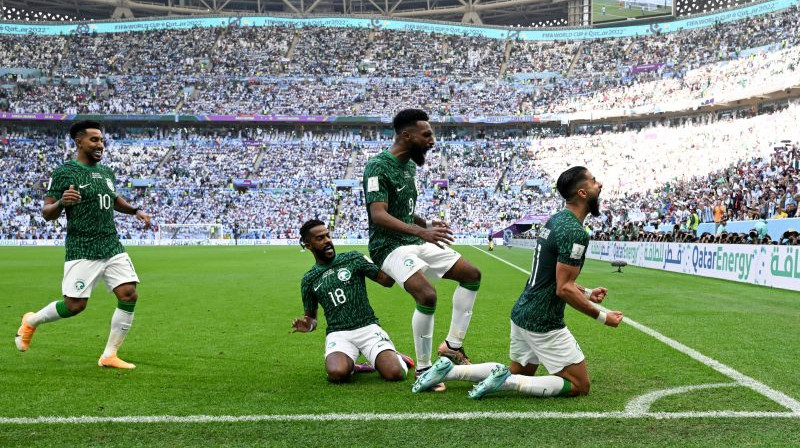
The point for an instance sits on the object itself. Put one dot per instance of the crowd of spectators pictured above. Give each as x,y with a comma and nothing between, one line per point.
265,183
759,182
477,185
342,71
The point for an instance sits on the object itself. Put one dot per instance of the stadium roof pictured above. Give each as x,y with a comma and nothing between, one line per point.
488,12
525,13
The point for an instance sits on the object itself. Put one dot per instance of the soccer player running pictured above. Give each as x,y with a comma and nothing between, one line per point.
85,189
538,332
410,248
336,282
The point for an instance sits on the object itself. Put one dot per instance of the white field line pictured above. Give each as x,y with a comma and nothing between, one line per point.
391,417
774,395
642,403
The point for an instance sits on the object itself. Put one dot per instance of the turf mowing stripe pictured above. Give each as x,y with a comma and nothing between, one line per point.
392,417
774,395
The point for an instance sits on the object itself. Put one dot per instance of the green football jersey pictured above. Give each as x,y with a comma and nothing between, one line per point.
91,232
340,289
561,240
386,179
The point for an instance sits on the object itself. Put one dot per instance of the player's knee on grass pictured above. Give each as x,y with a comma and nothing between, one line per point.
580,387
75,305
339,372
389,366
527,370
339,367
339,376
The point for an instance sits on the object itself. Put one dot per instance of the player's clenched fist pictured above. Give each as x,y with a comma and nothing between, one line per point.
70,196
598,294
613,318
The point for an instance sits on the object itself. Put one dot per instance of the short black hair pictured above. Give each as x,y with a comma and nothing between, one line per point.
568,182
81,126
307,226
408,117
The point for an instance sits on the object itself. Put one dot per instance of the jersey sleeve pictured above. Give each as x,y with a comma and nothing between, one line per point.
365,266
376,184
572,246
59,182
309,299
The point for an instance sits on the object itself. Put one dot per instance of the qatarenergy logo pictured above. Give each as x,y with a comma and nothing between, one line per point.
721,260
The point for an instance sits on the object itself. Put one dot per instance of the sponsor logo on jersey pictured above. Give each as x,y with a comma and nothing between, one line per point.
343,274
544,233
83,186
327,273
96,176
577,251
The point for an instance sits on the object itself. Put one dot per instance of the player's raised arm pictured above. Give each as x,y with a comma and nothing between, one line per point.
570,292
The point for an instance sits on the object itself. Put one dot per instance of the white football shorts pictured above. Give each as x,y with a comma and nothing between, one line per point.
80,276
369,341
434,262
555,349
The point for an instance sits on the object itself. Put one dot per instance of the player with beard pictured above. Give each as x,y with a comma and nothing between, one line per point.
538,332
336,282
85,189
410,249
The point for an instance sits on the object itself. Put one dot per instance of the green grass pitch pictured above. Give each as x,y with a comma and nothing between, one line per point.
211,337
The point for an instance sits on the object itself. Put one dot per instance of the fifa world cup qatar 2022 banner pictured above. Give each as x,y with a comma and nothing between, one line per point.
775,266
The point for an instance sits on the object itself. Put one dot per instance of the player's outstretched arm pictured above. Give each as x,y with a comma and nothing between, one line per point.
570,292
122,206
305,324
379,211
383,279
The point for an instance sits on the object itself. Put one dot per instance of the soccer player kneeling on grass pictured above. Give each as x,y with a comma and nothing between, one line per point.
336,282
538,332
85,189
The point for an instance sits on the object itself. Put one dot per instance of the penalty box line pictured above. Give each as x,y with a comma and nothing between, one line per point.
774,395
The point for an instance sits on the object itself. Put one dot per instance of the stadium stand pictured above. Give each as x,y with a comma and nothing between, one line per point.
266,181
